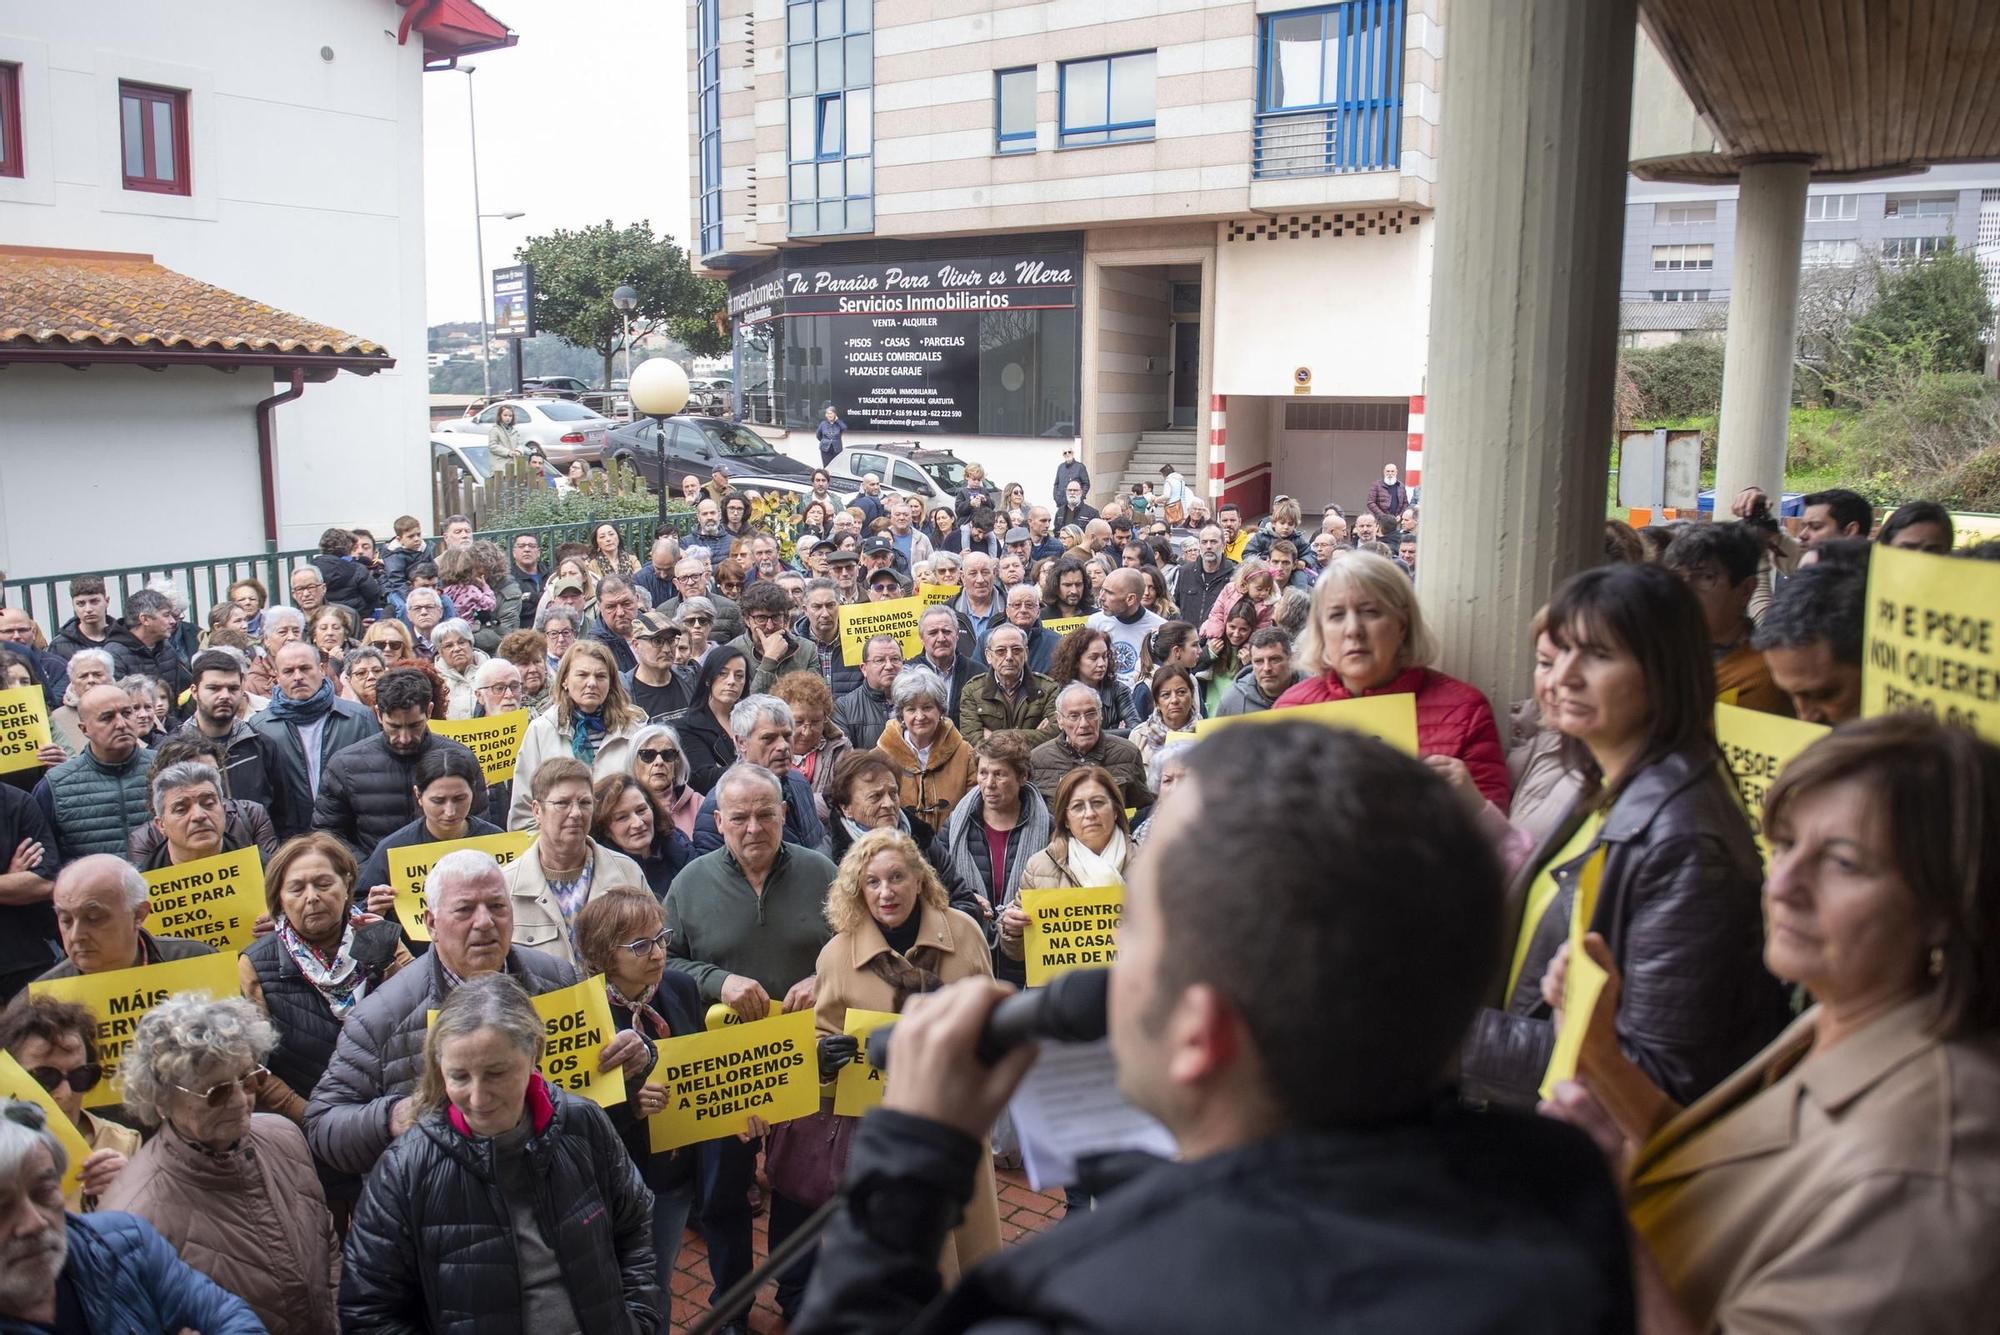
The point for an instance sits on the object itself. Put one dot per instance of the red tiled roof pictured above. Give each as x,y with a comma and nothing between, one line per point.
453,28
53,299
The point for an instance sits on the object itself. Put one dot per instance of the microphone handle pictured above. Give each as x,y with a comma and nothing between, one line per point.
1012,1023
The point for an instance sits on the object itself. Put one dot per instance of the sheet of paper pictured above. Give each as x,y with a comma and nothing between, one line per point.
1069,1108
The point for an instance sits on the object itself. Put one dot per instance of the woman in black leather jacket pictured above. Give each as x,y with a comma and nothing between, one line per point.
508,1207
1679,898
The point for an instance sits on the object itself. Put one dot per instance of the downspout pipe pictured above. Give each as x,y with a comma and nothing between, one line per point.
267,468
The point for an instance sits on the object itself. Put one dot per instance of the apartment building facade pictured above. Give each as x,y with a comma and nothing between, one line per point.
1679,258
1188,231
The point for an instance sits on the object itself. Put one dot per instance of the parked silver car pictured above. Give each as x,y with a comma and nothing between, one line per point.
566,431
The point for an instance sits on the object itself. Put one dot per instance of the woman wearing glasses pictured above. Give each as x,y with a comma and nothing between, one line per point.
234,1191
56,1044
625,819
391,639
623,936
662,770
564,868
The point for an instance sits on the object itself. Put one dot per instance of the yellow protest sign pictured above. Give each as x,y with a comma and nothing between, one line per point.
579,1024
24,727
1584,979
716,1082
1392,718
721,1015
860,622
1070,929
409,866
933,594
495,739
215,901
118,1000
16,1083
1062,625
1757,747
860,1086
1932,641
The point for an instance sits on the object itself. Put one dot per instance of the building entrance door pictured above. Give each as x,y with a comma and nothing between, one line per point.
1186,373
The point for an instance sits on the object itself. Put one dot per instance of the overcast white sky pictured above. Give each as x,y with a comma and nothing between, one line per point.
585,119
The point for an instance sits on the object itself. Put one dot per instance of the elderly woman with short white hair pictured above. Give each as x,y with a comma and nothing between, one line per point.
87,668
458,662
233,1190
932,760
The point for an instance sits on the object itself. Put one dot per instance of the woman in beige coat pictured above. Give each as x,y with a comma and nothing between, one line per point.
590,718
1847,1179
933,764
895,936
1091,846
564,868
234,1191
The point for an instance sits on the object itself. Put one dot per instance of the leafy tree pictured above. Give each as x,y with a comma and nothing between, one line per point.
1931,316
576,272
1676,381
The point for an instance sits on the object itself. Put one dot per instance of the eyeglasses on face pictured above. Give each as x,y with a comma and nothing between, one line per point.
219,1094
81,1080
646,945
653,756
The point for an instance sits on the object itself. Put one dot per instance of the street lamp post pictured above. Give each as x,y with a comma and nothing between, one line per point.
626,299
478,235
659,389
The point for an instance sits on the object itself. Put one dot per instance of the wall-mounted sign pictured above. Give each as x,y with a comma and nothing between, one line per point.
514,301
1302,380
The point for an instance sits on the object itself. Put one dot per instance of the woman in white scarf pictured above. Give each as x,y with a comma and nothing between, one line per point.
1091,846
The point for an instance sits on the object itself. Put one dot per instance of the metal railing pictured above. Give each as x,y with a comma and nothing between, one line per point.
1356,125
204,583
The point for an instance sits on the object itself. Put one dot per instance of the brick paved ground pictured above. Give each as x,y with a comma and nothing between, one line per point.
1023,1211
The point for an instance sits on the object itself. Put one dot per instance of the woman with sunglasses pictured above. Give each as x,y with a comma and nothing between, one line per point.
625,819
392,639
56,1044
662,770
623,936
233,1190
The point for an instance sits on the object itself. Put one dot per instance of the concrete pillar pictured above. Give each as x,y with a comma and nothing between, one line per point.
1524,321
1763,329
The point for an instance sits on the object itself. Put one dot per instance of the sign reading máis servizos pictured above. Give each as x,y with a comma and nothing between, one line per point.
907,336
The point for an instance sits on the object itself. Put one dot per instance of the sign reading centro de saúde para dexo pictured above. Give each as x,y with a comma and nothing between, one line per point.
907,335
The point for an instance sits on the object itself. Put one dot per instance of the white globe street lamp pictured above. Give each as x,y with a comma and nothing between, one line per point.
658,387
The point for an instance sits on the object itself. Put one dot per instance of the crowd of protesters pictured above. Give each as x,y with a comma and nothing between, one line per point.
1340,977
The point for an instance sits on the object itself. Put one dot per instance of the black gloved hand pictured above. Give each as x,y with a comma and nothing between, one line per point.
835,1051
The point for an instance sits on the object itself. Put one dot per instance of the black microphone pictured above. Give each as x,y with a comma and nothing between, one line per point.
1069,1010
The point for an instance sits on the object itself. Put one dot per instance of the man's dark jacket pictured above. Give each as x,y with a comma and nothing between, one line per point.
1195,588
350,584
162,661
346,724
366,793
1446,1223
254,765
68,641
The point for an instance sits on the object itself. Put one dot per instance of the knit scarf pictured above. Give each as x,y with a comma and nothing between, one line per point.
338,978
584,731
1098,868
284,709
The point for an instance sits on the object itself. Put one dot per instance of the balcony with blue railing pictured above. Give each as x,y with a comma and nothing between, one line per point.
1330,91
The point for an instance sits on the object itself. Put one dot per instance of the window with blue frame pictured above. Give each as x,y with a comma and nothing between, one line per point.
829,78
1014,110
1107,100
709,93
1330,90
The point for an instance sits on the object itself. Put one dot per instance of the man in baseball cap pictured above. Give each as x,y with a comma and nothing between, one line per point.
885,583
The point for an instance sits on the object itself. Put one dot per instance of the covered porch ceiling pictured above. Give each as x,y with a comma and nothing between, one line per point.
1857,87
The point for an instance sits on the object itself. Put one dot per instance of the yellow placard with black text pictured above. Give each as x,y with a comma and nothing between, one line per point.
1933,644
861,622
16,1083
1070,928
24,727
1757,747
1062,625
215,901
722,1015
579,1024
1583,981
1391,718
931,595
409,866
495,740
860,1086
121,998
716,1082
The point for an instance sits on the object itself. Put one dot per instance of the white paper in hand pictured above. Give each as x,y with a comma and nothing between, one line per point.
1069,1108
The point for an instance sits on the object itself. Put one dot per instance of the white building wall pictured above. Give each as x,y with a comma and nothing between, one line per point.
1354,309
177,447
308,196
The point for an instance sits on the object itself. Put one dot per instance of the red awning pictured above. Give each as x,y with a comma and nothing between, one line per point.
452,28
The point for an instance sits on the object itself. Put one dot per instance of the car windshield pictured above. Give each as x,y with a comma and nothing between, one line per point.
736,441
480,457
562,410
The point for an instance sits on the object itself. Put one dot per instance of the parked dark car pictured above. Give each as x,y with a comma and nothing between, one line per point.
565,386
699,445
